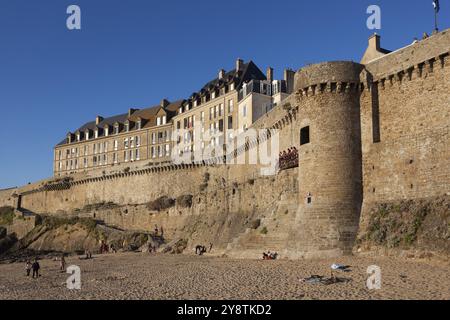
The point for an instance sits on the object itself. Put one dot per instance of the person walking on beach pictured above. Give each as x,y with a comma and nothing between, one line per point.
63,263
28,267
35,266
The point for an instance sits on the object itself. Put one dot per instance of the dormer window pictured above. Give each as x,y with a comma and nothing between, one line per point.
87,135
96,133
164,120
158,121
213,95
139,125
232,87
106,131
127,126
116,128
78,136
180,110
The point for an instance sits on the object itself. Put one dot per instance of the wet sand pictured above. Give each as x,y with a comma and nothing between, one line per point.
142,276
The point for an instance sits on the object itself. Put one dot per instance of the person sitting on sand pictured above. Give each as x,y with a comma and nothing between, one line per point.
270,256
200,250
28,267
35,266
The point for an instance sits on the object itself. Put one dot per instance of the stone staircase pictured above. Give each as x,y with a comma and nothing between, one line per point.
273,233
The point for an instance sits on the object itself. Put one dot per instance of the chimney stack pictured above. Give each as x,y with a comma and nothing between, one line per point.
375,42
98,119
239,65
221,74
164,103
131,111
269,74
289,76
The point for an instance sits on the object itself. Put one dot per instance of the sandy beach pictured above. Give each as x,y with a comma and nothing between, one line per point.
142,276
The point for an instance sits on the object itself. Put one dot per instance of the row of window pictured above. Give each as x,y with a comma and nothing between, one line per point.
129,142
162,120
160,137
101,147
160,151
128,155
205,99
214,113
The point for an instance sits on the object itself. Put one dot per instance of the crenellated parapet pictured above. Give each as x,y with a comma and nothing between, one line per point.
414,61
408,73
329,77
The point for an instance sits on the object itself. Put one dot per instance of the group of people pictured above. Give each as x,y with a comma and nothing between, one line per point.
35,266
201,249
270,256
288,159
104,248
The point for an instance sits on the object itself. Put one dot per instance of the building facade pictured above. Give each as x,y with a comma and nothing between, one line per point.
151,135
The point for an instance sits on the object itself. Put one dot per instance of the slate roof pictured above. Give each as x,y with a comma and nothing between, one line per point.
249,72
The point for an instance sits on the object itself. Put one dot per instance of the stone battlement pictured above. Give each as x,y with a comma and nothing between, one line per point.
362,141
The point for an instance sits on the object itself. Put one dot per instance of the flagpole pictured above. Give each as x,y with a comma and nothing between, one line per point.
435,21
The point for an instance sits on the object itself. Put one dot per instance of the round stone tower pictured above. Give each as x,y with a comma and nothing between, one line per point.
330,174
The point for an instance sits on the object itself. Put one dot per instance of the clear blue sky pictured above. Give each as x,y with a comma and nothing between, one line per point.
134,53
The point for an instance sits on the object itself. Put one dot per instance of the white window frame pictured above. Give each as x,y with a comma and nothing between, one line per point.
167,150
